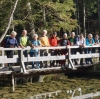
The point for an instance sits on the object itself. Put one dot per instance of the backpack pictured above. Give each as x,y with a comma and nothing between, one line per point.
4,41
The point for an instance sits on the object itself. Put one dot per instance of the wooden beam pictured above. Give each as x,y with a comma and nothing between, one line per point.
85,56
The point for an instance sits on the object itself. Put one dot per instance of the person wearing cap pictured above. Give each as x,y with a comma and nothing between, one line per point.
81,44
64,42
44,43
53,42
34,52
11,42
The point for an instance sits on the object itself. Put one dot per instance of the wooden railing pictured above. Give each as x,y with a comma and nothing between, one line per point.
15,59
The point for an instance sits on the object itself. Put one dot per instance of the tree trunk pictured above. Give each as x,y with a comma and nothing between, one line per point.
10,20
84,14
32,28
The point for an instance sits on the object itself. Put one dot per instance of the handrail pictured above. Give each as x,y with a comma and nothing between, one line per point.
46,58
58,47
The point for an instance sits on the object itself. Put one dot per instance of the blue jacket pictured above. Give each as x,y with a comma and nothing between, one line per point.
10,41
88,42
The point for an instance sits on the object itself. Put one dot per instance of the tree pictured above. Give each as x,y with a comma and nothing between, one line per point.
44,14
10,20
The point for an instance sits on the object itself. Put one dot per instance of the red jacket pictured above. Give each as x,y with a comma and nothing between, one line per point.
53,41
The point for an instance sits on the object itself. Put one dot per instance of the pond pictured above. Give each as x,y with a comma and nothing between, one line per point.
56,86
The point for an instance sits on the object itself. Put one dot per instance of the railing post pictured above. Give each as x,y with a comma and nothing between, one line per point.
70,64
69,52
3,56
13,83
22,66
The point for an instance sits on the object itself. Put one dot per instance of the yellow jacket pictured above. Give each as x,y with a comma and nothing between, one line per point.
44,41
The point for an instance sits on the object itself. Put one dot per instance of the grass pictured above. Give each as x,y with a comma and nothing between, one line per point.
52,83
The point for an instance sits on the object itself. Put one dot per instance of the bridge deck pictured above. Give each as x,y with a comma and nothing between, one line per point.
41,71
70,66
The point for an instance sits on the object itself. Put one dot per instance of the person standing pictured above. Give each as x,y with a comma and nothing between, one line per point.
81,44
10,42
44,43
23,42
97,42
64,42
73,41
34,52
53,43
89,42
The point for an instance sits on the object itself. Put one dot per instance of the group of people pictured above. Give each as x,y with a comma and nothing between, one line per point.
44,41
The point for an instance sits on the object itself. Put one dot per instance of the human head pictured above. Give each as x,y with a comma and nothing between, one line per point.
65,35
13,34
90,36
44,32
73,34
54,34
96,37
35,36
24,32
81,36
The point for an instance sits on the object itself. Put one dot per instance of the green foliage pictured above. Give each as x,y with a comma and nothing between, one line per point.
91,7
5,8
46,14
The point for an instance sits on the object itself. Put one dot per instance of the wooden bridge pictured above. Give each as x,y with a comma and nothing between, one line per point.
20,71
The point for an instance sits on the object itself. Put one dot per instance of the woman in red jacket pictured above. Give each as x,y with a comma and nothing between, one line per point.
53,42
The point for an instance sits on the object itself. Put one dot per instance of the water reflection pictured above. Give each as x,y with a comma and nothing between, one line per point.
72,93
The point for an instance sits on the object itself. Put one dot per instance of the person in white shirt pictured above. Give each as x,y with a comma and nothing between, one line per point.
81,44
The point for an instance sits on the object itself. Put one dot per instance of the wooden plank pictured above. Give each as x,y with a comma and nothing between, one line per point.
44,58
43,69
58,47
8,60
30,59
85,56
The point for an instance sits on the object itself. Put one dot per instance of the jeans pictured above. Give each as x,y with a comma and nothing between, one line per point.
53,53
44,63
34,54
88,51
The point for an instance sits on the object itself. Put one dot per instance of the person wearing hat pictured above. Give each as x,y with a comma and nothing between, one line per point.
64,42
53,42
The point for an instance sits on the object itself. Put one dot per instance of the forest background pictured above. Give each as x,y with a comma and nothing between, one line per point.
53,15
